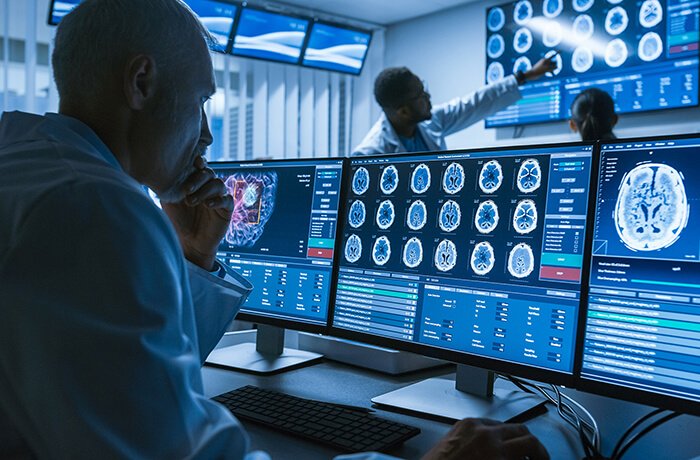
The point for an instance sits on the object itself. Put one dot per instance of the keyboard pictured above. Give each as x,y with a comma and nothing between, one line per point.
345,428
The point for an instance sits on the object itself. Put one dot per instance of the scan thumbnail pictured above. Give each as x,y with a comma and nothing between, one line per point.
353,249
529,176
253,203
450,216
381,250
413,253
525,217
420,179
491,176
453,180
357,214
360,181
417,215
486,218
445,256
521,261
483,258
389,180
385,214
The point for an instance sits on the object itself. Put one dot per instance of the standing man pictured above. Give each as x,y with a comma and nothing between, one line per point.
411,124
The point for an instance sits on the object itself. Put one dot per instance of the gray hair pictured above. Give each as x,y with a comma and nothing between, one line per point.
94,41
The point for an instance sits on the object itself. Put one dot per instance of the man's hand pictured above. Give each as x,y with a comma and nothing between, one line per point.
477,439
202,217
540,68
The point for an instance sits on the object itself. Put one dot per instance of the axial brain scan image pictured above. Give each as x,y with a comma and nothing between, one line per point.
494,72
353,249
453,180
413,253
552,8
357,214
650,46
522,13
652,209
253,203
381,250
522,64
450,216
522,41
491,176
616,53
420,179
445,256
650,13
525,217
417,215
496,19
582,5
486,218
385,214
582,59
495,46
521,260
529,176
389,180
552,34
360,181
583,28
616,21
482,259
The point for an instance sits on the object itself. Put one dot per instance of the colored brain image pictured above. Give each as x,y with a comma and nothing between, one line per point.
413,253
525,217
616,21
445,256
522,12
552,34
616,53
453,180
522,64
582,5
353,249
385,214
529,176
357,214
521,261
495,46
450,216
651,13
650,47
522,41
583,28
491,176
389,180
417,215
420,179
381,250
482,259
553,8
486,218
496,19
582,59
494,72
360,181
652,208
253,203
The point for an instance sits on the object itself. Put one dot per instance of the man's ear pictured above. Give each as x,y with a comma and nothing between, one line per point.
140,75
573,126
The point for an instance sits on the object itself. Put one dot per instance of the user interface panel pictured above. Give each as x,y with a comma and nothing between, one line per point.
475,252
336,48
218,18
282,234
267,35
644,53
643,317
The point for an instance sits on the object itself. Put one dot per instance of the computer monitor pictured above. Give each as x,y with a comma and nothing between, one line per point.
272,36
643,53
474,256
60,8
337,48
642,323
219,17
282,239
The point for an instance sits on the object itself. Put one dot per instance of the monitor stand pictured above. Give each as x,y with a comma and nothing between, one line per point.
472,394
266,356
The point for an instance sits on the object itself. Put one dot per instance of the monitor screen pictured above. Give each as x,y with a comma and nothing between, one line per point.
336,48
282,235
642,328
60,8
643,53
266,35
218,18
477,253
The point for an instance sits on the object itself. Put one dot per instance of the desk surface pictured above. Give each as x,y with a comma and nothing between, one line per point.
335,382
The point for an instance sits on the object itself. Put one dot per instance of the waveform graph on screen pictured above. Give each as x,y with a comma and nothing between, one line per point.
253,204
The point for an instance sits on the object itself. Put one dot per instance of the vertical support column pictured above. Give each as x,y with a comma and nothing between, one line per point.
321,115
334,121
242,107
276,111
226,131
30,57
292,116
260,100
306,113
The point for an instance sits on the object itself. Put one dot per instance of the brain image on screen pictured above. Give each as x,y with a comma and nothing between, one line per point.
650,47
417,215
445,256
253,203
529,176
385,214
650,13
582,5
582,59
583,28
521,260
552,8
496,19
453,180
357,214
522,64
552,34
353,249
413,253
616,21
652,208
491,176
522,40
482,259
450,216
494,72
486,218
360,181
522,13
525,217
420,179
616,53
495,46
381,250
389,180
557,61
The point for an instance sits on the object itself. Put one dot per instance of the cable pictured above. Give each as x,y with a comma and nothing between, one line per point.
646,430
631,428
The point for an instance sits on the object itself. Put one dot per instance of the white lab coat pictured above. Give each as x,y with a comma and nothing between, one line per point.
104,325
447,119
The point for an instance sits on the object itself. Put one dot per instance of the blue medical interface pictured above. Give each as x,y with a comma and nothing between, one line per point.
266,35
643,318
643,53
282,234
336,48
477,252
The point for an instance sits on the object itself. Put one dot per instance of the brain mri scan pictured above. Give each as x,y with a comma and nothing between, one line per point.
357,214
525,217
582,59
381,250
529,176
445,256
650,13
413,253
521,260
583,28
389,180
616,21
486,218
495,46
496,19
581,6
522,13
253,203
385,214
453,180
450,216
614,2
615,53
353,249
552,8
650,47
420,179
417,215
552,34
522,40
491,176
482,258
557,61
494,72
360,181
522,64
652,209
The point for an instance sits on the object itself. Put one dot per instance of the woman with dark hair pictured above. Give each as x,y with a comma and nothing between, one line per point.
593,115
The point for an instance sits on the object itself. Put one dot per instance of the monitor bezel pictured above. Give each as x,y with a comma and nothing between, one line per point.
461,357
239,16
289,323
339,26
608,389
